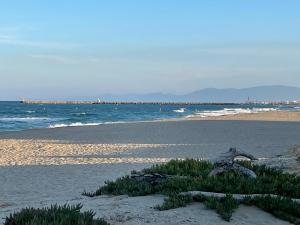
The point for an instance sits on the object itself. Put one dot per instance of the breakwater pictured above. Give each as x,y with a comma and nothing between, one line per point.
27,101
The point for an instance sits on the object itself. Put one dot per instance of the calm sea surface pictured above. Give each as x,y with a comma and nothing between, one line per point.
17,116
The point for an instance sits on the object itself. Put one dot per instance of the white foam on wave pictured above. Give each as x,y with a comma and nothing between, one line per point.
79,124
83,114
256,110
29,111
80,114
229,111
181,110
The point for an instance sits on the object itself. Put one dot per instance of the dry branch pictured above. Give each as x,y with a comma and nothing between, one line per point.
226,163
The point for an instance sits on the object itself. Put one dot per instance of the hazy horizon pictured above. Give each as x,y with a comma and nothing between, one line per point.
235,95
82,96
64,48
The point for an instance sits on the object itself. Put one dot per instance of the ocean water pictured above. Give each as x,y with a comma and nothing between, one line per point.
17,116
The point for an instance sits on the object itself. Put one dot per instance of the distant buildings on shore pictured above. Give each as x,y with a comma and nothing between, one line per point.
274,102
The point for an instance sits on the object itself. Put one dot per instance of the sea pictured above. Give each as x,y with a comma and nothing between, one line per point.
16,116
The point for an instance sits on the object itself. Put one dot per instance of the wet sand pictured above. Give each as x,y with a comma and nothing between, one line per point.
180,138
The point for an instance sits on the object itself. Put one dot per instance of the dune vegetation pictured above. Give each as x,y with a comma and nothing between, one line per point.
278,190
54,215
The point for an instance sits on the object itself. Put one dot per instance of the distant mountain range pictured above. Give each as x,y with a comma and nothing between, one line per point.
260,93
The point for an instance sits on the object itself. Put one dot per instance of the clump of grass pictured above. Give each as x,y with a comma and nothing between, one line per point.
54,215
187,167
268,181
283,208
123,185
192,175
224,206
175,201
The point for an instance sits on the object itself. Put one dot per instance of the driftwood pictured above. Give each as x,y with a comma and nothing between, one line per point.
230,155
153,178
226,163
238,197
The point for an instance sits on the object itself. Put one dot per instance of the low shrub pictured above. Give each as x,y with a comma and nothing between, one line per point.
121,186
193,175
283,208
175,201
224,206
195,172
54,215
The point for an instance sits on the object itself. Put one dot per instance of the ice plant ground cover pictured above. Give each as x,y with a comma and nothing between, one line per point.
193,175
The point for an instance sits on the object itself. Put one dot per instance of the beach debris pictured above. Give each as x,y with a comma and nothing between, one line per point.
153,178
226,162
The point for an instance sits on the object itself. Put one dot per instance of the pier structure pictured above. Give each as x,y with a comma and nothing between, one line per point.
28,101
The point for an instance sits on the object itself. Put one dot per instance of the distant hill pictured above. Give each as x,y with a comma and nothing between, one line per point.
260,93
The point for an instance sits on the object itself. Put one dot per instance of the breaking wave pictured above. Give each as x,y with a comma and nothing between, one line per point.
181,110
79,124
83,114
228,111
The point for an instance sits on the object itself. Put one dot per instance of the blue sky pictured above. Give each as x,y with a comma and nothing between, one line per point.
92,47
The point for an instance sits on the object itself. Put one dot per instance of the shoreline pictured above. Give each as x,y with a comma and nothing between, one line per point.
206,134
265,134
272,116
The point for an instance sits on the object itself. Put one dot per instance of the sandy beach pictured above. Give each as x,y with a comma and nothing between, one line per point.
40,167
292,116
149,112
